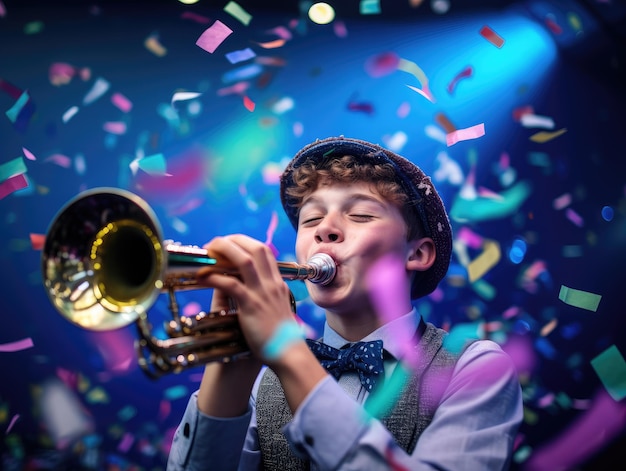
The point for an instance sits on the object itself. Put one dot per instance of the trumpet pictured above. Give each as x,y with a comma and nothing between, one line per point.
105,263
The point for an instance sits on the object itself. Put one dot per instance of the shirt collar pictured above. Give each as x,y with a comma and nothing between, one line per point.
388,333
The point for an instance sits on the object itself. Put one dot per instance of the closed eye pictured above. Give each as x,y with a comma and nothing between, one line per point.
363,217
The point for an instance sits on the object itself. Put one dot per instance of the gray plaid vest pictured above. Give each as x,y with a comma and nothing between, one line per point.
406,419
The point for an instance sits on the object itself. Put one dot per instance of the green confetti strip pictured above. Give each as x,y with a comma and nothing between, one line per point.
611,369
578,298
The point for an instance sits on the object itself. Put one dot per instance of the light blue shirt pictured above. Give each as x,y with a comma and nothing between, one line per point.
473,428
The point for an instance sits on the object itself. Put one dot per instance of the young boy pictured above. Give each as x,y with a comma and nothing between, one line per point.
426,407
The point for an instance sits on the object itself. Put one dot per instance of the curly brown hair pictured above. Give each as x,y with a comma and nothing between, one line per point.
348,169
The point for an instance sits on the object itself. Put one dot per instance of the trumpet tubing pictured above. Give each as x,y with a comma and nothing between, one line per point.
104,264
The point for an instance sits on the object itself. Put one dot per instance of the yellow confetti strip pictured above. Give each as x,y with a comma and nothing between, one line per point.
485,261
544,136
97,395
153,45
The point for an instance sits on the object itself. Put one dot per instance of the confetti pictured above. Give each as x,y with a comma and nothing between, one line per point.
12,168
481,209
562,201
152,164
195,17
465,73
473,132
213,36
574,217
12,423
61,73
578,298
13,112
37,241
248,103
115,127
69,114
121,102
445,123
369,7
273,44
552,25
382,64
99,88
542,137
60,160
238,12
281,32
184,96
16,346
153,45
13,184
240,56
491,36
415,70
611,369
271,229
530,120
489,257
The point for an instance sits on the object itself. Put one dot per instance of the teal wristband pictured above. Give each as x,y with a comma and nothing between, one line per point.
285,335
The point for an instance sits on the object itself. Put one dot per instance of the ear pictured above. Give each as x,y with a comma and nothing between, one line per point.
422,254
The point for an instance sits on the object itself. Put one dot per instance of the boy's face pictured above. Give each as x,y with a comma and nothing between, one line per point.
355,226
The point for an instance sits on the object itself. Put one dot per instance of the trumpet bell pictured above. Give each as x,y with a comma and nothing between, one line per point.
98,224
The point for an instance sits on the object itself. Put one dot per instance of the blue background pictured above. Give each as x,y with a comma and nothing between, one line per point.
217,153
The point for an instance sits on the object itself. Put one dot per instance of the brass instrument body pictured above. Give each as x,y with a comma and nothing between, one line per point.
105,263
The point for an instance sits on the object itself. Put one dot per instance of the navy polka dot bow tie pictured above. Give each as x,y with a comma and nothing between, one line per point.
366,358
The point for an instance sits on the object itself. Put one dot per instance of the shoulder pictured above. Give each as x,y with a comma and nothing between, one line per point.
487,359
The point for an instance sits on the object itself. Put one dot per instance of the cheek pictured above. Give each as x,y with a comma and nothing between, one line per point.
301,248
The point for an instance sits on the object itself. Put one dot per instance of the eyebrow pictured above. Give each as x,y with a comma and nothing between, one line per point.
353,198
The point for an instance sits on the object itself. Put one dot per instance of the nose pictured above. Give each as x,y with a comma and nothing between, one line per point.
328,230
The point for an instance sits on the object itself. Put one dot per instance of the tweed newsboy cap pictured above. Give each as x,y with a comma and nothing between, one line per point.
416,184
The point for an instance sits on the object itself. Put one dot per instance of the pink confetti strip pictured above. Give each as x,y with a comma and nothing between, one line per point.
12,184
13,420
213,36
17,345
195,17
126,443
123,103
470,238
115,127
562,201
271,228
473,132
61,160
574,217
281,32
28,154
